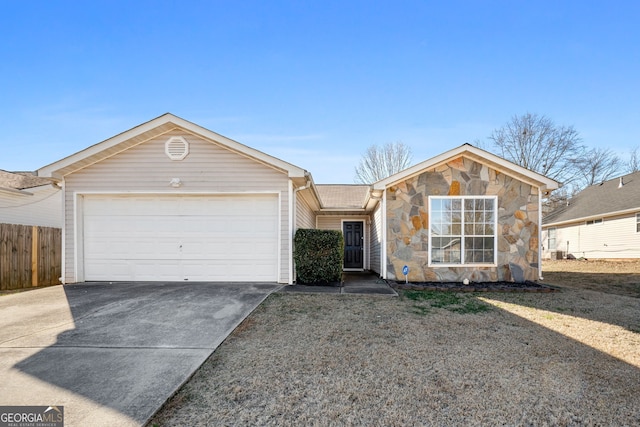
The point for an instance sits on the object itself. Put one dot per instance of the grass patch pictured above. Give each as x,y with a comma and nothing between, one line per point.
451,301
420,310
620,277
472,306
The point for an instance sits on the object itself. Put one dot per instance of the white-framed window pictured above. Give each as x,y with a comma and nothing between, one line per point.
638,223
462,230
594,221
551,239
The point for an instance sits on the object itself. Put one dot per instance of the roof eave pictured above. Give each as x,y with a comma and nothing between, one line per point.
541,181
66,165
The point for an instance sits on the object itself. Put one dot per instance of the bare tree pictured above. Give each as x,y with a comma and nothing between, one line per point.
598,165
633,164
380,162
537,143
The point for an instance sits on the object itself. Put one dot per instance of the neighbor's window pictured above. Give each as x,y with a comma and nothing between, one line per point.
551,239
594,221
462,230
638,223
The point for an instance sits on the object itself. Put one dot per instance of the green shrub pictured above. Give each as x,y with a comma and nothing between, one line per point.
318,255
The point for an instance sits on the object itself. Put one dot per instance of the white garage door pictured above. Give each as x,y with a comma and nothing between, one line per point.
175,238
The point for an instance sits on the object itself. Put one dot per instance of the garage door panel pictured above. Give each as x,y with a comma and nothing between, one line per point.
107,270
205,238
230,271
124,270
154,270
121,247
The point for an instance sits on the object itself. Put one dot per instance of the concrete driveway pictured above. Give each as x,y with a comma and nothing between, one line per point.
112,353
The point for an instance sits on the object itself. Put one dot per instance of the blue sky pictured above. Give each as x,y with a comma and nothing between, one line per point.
315,82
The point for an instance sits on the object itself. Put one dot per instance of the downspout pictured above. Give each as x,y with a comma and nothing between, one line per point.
294,218
540,234
63,237
383,226
292,209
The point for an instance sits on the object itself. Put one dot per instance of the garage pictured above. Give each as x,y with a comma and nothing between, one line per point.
180,237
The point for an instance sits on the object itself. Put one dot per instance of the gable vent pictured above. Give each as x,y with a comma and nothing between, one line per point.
176,148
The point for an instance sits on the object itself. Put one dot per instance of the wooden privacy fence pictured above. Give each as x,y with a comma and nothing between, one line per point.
29,256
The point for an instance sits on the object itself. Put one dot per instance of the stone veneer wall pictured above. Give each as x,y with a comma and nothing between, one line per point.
408,223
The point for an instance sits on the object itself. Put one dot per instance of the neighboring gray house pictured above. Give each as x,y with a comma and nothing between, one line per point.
29,200
170,200
601,221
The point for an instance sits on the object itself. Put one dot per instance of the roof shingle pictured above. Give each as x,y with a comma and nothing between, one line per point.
600,199
21,180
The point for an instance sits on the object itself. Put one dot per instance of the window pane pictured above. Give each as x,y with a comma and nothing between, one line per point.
436,250
488,243
552,239
488,216
456,218
468,228
468,216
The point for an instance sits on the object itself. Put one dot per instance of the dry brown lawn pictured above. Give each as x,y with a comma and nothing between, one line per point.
616,276
568,358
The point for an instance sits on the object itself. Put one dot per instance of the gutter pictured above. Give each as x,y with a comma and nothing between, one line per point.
595,216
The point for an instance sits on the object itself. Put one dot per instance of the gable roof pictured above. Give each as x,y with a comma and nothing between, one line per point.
600,200
477,154
151,129
343,196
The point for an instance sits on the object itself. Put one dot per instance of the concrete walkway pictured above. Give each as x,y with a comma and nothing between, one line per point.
365,283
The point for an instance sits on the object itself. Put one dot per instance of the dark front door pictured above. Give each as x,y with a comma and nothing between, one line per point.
353,244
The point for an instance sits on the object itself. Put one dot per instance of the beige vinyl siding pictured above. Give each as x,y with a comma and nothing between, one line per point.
615,237
334,222
208,169
563,235
43,206
326,222
305,216
376,240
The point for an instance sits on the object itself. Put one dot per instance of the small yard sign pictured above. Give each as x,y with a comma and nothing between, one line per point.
405,271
